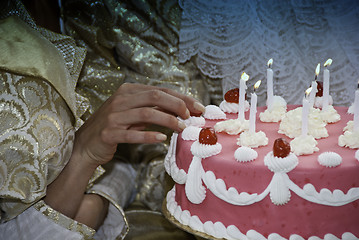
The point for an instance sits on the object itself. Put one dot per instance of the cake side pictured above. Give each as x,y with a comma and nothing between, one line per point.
254,209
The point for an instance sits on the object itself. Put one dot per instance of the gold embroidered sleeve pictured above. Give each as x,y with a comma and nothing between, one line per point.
36,138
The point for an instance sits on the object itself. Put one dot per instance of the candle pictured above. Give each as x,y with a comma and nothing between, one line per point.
242,93
253,111
305,112
312,94
326,83
269,84
356,110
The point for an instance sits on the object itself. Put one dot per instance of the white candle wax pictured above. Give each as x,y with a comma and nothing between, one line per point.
252,113
356,110
269,88
326,83
305,115
312,94
242,92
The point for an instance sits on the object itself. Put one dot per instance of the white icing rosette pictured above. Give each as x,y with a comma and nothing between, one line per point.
245,154
330,115
279,189
291,124
194,121
275,115
329,159
229,107
252,140
191,133
205,150
318,101
349,139
232,126
213,112
303,145
276,112
278,164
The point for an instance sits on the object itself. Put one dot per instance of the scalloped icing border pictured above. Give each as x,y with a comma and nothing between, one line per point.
218,230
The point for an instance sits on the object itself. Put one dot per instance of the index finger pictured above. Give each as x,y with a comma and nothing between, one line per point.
192,104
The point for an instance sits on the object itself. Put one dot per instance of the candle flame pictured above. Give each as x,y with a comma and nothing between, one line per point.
317,70
307,92
257,84
328,62
244,76
270,63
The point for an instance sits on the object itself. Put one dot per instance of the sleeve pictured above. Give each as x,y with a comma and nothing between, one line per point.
117,185
42,222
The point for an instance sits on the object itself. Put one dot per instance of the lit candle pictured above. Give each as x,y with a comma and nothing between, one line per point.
326,83
253,111
305,112
269,84
314,87
242,93
356,110
313,93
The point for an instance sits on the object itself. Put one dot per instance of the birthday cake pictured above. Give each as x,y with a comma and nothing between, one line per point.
256,187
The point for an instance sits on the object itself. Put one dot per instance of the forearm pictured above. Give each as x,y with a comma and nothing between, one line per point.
92,211
66,193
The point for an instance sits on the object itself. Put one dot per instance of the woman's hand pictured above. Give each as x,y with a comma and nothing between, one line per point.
124,116
121,119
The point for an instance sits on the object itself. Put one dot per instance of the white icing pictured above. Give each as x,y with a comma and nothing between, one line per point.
252,140
218,230
279,192
349,139
318,101
349,126
274,115
245,154
194,188
232,126
213,112
351,109
277,164
218,187
229,107
357,154
178,175
303,145
205,150
330,115
291,124
329,159
195,121
191,133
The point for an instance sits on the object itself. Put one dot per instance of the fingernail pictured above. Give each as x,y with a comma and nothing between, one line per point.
198,106
161,137
188,114
181,125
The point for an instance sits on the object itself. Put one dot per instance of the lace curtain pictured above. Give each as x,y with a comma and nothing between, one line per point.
228,37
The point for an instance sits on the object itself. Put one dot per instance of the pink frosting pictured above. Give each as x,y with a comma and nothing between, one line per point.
298,216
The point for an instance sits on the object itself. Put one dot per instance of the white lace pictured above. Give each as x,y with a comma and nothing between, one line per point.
228,37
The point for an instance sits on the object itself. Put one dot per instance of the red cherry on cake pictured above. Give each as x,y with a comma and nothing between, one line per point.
281,148
207,136
320,89
232,95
